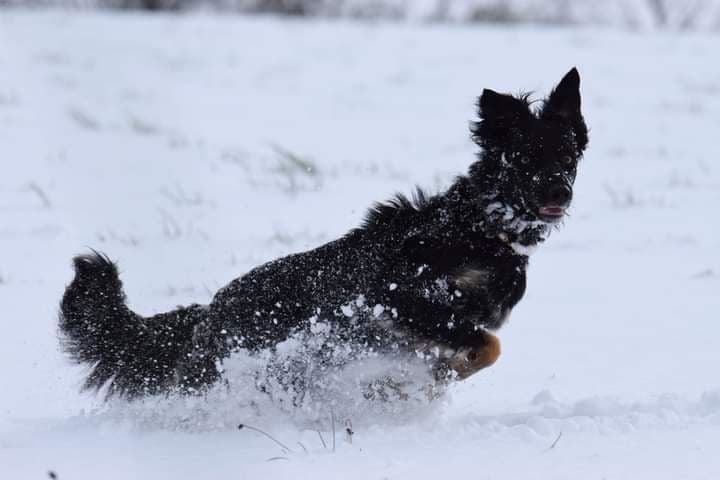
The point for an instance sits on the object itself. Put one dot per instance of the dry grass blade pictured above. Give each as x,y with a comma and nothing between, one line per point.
556,441
282,445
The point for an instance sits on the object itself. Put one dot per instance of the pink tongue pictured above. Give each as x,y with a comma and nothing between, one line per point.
555,211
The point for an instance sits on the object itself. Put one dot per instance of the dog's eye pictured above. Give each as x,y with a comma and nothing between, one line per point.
524,160
567,160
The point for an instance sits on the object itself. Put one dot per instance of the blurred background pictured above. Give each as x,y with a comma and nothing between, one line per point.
634,14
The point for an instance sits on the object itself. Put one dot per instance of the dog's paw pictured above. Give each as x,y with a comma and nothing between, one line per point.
468,361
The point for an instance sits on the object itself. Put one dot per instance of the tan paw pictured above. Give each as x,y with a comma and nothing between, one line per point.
469,361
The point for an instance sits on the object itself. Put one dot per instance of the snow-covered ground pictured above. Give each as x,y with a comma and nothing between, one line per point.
164,140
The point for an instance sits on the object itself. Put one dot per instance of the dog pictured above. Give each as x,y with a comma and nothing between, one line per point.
430,274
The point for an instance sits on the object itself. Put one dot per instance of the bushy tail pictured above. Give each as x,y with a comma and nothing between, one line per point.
134,355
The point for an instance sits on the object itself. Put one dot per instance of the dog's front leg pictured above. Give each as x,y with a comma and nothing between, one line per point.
467,361
463,352
460,346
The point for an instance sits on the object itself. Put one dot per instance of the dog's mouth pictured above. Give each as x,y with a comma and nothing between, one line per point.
551,213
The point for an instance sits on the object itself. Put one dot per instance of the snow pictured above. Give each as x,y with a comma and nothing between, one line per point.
193,148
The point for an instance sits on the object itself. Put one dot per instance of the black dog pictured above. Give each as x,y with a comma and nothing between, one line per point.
434,273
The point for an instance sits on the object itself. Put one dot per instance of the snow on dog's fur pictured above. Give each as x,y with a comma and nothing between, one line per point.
429,276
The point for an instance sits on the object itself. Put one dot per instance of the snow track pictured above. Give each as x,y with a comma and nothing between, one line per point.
603,415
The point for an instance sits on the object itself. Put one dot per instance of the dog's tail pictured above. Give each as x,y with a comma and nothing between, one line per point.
130,354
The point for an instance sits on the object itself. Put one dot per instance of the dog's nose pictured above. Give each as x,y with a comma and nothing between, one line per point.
560,196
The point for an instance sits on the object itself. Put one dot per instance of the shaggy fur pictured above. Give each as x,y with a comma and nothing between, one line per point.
431,273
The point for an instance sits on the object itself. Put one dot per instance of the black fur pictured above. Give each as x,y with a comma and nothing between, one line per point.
428,271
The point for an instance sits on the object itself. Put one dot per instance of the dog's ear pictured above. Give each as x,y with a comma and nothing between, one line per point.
564,100
499,115
563,104
496,106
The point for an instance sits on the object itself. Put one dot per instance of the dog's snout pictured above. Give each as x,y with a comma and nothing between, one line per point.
560,195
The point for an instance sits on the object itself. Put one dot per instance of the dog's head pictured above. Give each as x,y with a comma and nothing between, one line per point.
534,152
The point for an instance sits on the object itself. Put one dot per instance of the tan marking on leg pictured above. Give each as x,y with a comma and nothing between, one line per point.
467,362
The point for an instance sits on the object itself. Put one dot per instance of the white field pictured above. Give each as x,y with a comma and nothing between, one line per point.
154,139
